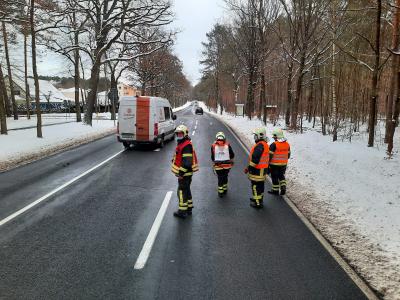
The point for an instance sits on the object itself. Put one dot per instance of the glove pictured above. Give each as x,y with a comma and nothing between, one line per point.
180,177
246,170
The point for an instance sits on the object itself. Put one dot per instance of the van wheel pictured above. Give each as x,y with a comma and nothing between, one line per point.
126,145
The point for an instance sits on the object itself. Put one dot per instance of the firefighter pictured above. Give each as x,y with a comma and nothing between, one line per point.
279,154
222,157
184,164
258,166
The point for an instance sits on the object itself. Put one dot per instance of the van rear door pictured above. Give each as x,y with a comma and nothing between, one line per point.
143,119
127,118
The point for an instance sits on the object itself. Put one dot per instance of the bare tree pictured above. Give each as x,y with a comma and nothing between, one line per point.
393,107
3,116
108,20
10,77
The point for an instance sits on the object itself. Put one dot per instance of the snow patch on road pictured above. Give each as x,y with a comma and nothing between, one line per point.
351,194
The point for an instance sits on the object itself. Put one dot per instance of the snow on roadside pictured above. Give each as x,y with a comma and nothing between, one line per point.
22,146
351,193
49,119
187,104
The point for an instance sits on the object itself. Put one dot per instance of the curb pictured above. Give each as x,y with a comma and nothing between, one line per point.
355,277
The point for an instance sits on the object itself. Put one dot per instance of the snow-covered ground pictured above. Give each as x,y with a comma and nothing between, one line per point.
350,192
22,146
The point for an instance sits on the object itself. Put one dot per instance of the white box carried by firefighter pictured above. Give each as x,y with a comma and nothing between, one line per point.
145,120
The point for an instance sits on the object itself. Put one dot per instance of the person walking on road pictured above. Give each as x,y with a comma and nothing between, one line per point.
222,157
279,154
184,164
258,166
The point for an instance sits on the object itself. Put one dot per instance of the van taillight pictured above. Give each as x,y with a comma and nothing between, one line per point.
155,128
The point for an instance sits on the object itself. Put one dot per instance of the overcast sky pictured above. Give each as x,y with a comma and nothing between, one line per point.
193,18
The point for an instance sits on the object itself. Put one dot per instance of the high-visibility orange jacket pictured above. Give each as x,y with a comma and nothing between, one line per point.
184,162
279,153
258,161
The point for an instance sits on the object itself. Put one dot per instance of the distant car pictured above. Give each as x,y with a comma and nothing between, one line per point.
199,111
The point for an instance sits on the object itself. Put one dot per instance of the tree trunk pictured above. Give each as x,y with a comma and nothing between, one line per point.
10,79
333,87
299,89
76,75
34,69
375,75
289,95
113,89
263,92
393,99
250,95
93,84
83,91
3,116
27,93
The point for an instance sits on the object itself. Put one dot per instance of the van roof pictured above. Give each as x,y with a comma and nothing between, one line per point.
152,99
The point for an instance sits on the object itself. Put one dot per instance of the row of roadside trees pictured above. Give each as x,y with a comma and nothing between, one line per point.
330,61
122,38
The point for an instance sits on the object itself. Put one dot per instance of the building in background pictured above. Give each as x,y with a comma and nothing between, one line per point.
125,89
51,99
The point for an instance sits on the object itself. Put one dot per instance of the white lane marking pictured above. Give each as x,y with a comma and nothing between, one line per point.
24,209
336,256
148,244
194,131
157,150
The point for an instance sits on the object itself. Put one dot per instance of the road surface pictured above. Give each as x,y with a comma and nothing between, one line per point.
83,241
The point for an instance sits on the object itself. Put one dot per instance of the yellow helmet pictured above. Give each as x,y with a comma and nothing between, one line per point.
220,136
182,128
260,133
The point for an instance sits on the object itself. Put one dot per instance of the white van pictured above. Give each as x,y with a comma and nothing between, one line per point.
145,120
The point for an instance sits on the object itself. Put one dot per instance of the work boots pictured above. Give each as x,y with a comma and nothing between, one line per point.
283,190
254,204
180,214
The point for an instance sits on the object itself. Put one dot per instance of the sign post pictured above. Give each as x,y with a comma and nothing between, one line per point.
239,109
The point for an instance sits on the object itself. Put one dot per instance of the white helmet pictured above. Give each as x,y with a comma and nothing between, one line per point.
278,133
260,134
182,128
220,136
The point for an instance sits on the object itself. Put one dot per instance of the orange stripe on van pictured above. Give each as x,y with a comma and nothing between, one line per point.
143,119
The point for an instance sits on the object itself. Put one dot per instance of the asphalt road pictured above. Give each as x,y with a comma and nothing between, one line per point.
83,241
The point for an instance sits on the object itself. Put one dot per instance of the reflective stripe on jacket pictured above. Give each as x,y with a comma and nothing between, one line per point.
177,166
280,156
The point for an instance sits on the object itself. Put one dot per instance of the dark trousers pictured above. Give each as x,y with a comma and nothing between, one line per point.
278,177
185,194
257,188
222,180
